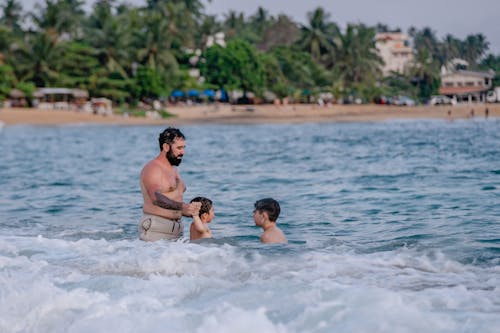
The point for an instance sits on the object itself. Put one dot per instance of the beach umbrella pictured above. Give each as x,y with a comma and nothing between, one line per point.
193,93
177,93
223,96
209,92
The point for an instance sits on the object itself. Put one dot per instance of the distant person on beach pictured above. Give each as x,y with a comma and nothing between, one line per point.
163,189
486,113
199,227
265,214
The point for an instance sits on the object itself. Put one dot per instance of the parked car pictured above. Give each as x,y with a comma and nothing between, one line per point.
403,100
441,100
493,95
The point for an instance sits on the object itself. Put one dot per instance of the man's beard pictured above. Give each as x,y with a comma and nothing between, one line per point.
174,160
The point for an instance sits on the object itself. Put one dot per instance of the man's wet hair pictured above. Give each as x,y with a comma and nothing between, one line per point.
169,135
270,206
206,204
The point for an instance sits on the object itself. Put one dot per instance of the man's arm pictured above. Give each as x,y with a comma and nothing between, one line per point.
167,203
164,202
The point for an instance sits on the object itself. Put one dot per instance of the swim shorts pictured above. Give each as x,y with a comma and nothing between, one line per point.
153,228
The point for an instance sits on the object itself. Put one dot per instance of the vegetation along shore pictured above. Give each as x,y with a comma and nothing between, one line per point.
137,55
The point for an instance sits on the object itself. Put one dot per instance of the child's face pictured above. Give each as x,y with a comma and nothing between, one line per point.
209,216
257,217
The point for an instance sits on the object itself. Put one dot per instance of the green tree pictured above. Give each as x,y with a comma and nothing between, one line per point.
59,17
238,66
300,69
426,42
492,62
474,47
318,38
281,32
76,64
110,37
148,83
209,26
274,79
12,16
7,81
425,74
356,61
450,48
153,44
236,27
36,59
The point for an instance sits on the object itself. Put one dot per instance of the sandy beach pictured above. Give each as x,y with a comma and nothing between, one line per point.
252,114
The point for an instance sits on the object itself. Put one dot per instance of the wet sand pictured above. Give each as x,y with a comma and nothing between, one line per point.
252,114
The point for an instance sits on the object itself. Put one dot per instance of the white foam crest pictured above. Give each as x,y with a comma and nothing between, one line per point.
40,307
229,319
395,269
130,258
371,310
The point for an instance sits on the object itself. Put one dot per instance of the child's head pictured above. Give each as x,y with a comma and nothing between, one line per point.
206,209
270,206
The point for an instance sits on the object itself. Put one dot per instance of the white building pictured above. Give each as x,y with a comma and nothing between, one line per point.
396,51
464,85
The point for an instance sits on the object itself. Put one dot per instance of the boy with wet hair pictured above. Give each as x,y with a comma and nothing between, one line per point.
199,227
265,214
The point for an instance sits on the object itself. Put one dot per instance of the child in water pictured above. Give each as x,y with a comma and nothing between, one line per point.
199,227
265,215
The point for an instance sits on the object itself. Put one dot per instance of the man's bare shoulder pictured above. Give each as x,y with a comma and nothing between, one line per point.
151,166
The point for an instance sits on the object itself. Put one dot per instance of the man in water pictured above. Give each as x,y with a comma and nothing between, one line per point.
163,189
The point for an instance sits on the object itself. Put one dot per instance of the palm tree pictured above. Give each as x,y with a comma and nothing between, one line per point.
11,32
109,36
36,60
153,44
234,23
12,15
61,17
282,31
318,37
356,60
260,21
450,48
182,17
474,47
208,26
425,73
426,39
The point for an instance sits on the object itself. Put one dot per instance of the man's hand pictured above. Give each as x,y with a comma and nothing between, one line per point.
191,209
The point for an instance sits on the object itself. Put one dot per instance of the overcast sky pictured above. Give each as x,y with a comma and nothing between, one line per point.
457,17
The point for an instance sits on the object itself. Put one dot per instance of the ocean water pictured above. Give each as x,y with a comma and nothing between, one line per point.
392,227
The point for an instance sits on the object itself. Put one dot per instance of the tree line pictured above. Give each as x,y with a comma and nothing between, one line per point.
138,53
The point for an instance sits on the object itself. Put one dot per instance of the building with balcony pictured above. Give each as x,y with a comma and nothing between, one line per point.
396,51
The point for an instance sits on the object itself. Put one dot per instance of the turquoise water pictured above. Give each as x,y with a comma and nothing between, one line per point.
392,226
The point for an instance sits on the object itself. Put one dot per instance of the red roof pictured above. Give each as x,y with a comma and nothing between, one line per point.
461,90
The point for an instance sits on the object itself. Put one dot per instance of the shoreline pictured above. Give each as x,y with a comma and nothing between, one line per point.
252,114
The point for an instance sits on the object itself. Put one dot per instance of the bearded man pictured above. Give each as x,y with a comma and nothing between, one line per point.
163,189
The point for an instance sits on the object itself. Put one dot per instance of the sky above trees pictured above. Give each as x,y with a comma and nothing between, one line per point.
459,17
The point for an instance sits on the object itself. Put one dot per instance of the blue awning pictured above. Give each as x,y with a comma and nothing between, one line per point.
193,93
209,92
177,93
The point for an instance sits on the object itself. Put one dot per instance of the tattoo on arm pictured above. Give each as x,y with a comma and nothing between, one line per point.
167,203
